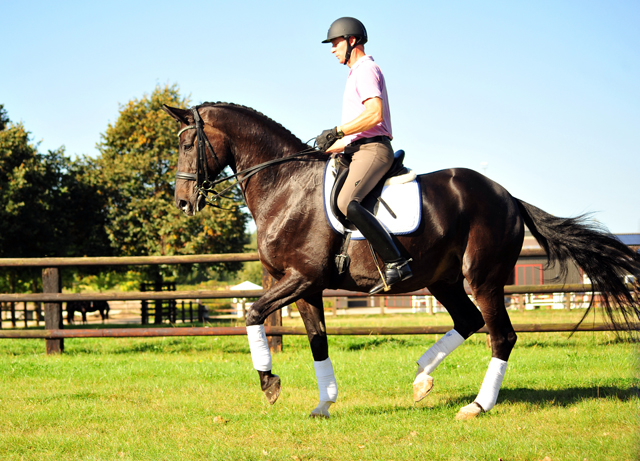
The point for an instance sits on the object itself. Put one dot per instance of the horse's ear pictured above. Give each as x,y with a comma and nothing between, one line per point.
179,115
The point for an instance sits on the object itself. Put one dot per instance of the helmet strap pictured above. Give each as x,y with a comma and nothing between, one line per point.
347,56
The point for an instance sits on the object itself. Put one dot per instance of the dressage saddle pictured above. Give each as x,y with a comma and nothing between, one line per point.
372,201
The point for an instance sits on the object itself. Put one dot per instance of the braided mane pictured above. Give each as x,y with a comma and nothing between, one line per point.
254,112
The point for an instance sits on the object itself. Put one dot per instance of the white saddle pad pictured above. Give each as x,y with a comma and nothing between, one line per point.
401,193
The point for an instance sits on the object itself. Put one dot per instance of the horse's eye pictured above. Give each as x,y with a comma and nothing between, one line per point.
187,146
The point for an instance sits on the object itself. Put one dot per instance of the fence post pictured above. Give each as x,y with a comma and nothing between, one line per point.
51,283
567,301
275,319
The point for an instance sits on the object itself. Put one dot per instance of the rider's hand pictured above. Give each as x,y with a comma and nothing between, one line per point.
327,138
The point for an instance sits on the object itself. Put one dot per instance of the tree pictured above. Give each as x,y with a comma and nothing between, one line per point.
50,207
4,119
138,162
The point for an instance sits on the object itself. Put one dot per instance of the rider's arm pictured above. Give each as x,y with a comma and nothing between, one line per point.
370,117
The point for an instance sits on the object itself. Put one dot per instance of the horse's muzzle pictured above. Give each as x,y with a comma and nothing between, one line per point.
190,208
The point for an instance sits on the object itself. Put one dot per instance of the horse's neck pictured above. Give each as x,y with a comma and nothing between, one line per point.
257,140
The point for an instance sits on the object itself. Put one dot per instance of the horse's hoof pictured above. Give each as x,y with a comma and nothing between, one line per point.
272,390
469,412
321,411
422,386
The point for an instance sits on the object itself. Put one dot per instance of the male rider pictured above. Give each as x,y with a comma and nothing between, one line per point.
365,133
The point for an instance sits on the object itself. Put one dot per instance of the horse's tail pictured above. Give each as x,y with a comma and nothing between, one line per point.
604,258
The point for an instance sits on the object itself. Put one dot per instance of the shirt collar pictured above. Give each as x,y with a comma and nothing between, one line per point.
360,61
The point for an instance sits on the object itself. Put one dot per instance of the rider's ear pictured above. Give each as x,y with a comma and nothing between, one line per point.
179,115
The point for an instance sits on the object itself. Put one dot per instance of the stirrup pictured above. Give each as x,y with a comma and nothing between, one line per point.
393,273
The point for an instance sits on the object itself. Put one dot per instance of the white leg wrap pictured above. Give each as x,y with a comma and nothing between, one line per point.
436,353
327,385
260,353
321,410
491,385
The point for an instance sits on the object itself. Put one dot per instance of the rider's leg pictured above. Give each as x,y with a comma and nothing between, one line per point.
396,266
370,163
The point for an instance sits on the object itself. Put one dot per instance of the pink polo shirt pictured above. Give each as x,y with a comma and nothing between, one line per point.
365,81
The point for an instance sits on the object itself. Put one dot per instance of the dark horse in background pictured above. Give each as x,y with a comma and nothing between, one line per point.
472,229
87,306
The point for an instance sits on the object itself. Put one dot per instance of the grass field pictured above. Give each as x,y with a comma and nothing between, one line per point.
198,398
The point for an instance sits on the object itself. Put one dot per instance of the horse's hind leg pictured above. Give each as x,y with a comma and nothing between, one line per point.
490,298
466,321
312,313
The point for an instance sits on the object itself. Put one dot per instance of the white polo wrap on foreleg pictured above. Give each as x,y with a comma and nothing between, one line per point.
488,394
260,353
327,385
437,353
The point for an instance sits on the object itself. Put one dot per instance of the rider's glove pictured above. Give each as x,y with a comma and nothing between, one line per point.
327,138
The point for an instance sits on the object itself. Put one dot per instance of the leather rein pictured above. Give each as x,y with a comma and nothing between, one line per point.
204,187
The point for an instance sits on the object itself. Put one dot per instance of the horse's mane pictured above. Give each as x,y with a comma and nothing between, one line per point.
275,125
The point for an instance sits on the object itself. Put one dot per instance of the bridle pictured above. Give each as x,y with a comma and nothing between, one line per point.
204,187
201,176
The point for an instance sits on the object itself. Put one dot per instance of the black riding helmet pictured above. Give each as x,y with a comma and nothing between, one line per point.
347,27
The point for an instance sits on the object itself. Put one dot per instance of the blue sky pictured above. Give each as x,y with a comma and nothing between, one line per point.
543,97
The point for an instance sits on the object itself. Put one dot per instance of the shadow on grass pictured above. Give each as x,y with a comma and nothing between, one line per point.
558,397
371,342
540,397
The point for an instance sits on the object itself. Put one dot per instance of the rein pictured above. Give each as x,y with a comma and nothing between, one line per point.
204,187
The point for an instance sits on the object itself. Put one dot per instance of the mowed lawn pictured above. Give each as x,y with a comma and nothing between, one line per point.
199,398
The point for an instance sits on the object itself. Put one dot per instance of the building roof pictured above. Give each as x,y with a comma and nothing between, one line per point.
629,239
246,286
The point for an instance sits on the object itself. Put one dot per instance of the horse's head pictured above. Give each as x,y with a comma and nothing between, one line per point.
202,155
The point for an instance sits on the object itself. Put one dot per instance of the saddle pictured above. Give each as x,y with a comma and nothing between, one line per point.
374,199
398,190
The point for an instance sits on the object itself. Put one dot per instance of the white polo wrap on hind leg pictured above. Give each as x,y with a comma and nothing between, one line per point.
488,394
437,353
260,353
327,385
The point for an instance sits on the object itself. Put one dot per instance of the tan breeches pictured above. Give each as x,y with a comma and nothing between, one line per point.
370,163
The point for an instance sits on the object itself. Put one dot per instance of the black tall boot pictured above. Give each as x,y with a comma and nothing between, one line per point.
396,268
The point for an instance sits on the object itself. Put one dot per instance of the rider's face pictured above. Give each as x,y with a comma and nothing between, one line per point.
339,48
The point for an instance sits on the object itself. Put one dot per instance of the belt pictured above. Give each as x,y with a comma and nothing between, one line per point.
361,141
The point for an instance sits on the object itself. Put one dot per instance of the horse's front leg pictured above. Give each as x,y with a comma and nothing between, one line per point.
312,313
286,291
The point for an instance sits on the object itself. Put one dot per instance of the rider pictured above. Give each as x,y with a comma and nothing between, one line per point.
366,134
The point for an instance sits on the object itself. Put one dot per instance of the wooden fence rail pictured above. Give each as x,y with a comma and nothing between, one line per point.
282,331
53,297
222,294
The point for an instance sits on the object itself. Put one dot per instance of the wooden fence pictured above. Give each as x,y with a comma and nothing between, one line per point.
52,297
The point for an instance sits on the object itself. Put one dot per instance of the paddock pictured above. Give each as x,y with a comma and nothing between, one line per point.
568,296
196,398
191,389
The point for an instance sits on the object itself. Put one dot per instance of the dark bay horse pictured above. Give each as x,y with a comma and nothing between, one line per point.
472,229
87,306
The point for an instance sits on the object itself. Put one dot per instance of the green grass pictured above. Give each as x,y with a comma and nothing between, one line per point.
198,398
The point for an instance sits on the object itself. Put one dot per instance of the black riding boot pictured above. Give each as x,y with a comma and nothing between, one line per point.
396,268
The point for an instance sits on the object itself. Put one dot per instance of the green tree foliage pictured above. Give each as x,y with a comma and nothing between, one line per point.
50,206
139,154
